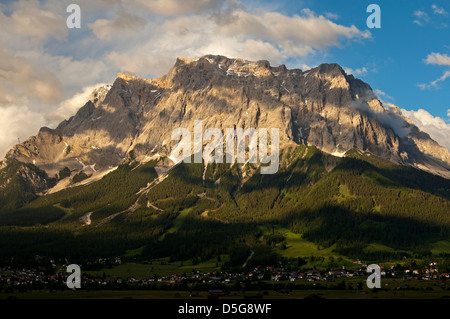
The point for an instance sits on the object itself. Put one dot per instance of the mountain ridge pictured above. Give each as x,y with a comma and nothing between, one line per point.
322,107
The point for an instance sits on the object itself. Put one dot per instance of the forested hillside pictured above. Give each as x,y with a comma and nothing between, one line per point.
348,205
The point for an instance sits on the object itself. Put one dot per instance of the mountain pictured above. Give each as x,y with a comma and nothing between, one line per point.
322,107
354,173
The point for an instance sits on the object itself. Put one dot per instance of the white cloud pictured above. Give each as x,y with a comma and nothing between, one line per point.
357,72
70,106
422,17
438,10
434,126
23,119
448,113
307,30
17,122
305,67
437,58
392,117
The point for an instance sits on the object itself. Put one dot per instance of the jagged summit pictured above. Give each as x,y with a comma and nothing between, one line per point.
322,107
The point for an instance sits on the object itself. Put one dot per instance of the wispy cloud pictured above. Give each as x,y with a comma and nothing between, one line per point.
434,84
331,16
438,10
422,17
383,95
437,19
436,59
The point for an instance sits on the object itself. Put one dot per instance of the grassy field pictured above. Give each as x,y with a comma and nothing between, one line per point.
441,247
134,252
296,246
374,247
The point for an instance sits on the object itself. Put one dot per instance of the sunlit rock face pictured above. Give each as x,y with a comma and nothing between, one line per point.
322,107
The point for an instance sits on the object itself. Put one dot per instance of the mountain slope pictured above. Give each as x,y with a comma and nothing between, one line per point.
347,204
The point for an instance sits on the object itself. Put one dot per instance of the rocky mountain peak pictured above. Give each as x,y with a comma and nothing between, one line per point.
322,107
331,69
128,77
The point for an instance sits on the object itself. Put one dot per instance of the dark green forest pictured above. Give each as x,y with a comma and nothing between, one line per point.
346,203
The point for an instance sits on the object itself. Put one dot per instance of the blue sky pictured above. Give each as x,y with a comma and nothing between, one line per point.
48,71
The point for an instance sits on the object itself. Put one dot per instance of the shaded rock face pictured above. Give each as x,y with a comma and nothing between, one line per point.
17,175
322,107
36,182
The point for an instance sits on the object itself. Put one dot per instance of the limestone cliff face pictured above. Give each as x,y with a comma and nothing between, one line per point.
323,107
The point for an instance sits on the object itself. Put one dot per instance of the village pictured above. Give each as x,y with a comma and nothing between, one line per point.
41,278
